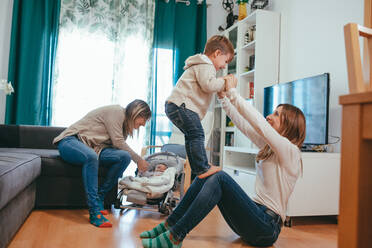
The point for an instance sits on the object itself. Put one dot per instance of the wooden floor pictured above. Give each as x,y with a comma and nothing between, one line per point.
70,228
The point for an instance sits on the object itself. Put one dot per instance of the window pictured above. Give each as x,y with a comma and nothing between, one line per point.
84,76
89,75
163,91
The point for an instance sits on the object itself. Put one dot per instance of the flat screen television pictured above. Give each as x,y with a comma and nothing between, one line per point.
311,95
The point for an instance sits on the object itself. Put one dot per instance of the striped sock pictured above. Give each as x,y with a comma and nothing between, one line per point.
162,227
164,240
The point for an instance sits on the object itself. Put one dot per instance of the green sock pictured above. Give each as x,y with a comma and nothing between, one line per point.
163,240
162,227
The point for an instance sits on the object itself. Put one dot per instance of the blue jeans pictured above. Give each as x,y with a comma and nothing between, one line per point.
73,151
190,125
246,218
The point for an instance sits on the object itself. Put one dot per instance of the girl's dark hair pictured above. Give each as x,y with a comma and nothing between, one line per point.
136,108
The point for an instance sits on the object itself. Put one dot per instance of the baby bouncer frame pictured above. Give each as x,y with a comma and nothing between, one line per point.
164,204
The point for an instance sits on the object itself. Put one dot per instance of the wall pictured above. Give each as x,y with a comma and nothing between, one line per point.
311,43
6,7
216,16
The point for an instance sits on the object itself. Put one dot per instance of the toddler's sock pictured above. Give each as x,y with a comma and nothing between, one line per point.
104,212
101,205
102,209
163,240
162,227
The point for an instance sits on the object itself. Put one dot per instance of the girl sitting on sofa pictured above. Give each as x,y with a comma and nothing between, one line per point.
98,139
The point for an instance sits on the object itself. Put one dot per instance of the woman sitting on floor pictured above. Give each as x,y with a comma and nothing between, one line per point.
257,221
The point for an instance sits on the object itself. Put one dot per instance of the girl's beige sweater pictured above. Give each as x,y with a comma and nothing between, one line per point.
101,128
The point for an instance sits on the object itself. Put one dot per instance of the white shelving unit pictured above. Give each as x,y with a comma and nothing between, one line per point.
264,47
262,73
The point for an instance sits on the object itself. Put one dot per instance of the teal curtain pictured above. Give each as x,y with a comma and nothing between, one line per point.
182,29
32,54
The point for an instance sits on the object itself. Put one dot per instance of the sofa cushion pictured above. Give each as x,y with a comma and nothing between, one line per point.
43,153
56,167
52,163
17,171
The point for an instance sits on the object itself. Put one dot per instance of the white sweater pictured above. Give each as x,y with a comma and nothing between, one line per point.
197,85
277,175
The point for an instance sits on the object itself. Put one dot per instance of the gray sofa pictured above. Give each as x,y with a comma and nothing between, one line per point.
32,174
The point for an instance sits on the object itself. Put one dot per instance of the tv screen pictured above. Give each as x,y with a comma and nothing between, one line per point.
311,95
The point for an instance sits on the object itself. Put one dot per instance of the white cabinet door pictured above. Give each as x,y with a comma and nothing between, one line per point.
317,191
245,180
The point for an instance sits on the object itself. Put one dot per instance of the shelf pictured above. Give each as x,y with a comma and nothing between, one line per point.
265,70
250,46
324,155
247,170
241,149
235,25
248,73
250,100
251,18
229,129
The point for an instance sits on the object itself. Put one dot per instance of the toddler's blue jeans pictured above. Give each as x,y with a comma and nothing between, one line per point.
190,125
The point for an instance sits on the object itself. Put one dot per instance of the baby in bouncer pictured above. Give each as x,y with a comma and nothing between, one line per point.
154,182
159,169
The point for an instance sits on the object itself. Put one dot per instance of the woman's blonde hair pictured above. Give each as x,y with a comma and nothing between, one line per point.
136,108
292,126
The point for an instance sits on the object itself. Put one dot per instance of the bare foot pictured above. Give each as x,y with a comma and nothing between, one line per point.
214,169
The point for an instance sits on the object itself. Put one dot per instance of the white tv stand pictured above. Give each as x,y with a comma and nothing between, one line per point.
316,191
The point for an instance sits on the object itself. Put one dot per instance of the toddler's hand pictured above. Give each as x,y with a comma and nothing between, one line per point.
228,76
221,94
